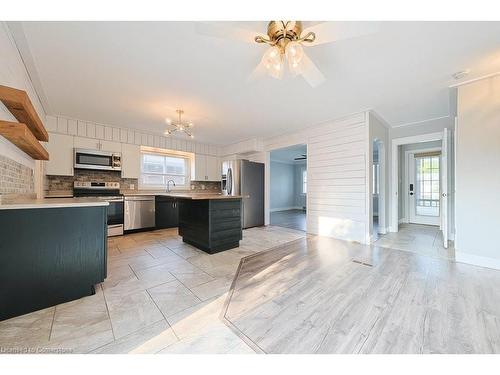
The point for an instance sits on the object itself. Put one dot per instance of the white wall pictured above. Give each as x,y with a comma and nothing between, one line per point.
282,186
478,173
13,74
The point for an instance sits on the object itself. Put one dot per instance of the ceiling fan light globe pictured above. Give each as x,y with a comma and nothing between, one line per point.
294,53
272,57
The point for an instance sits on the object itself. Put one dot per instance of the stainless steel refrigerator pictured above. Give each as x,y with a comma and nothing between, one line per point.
246,178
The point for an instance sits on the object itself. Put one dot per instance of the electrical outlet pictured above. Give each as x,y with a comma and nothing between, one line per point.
132,186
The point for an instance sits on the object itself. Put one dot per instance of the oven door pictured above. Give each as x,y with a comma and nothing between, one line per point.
88,159
115,217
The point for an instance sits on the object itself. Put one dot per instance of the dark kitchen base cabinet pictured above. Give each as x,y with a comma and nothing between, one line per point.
166,212
50,256
212,225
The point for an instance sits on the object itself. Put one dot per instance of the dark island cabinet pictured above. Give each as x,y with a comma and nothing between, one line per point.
166,212
50,256
212,225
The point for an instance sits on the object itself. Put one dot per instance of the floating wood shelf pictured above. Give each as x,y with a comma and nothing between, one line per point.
23,138
19,104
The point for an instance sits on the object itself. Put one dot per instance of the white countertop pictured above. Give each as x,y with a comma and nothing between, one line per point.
24,203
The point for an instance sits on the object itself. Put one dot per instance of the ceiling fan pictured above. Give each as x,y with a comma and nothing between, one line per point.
302,157
286,40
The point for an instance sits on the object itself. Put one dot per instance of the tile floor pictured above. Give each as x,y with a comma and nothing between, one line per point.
161,296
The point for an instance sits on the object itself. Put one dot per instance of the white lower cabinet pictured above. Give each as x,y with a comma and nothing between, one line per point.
131,161
60,148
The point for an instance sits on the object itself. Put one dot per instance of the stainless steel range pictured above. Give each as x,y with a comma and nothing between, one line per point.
110,192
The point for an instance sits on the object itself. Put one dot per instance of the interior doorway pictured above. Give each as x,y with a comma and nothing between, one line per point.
378,189
288,187
422,182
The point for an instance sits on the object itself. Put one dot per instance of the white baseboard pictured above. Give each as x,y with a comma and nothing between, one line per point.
403,220
285,208
477,260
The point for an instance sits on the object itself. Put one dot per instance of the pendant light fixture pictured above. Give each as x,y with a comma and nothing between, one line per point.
179,125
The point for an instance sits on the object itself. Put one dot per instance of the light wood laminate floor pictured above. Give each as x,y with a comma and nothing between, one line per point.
320,295
420,239
293,219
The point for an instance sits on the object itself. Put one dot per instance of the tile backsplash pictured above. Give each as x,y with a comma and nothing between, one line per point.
56,184
15,178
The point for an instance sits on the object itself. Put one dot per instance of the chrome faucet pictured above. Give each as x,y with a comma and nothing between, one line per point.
168,185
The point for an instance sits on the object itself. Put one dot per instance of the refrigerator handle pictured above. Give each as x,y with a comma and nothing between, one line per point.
229,182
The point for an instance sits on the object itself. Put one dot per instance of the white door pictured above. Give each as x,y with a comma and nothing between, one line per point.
445,186
424,188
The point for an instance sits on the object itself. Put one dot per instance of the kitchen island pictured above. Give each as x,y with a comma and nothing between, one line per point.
210,222
52,251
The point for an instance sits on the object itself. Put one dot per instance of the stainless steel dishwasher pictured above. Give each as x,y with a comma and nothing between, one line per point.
139,212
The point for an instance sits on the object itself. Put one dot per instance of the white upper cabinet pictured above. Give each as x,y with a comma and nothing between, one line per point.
111,146
131,161
96,144
213,169
207,168
60,148
86,143
200,168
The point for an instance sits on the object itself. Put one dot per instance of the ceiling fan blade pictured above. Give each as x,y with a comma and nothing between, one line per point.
310,71
226,31
329,32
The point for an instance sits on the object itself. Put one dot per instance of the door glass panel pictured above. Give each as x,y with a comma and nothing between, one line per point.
427,192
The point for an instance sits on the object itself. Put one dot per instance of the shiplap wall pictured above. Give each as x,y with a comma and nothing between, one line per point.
81,128
336,172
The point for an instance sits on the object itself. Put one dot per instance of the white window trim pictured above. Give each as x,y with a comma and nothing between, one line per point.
189,156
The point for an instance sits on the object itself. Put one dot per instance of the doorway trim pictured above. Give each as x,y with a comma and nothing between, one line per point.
396,142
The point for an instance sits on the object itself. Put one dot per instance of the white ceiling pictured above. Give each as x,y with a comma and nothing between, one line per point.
134,74
288,154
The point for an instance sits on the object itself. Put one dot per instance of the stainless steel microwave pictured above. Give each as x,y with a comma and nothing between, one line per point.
99,160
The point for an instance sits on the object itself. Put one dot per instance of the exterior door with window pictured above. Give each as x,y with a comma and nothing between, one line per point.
424,190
